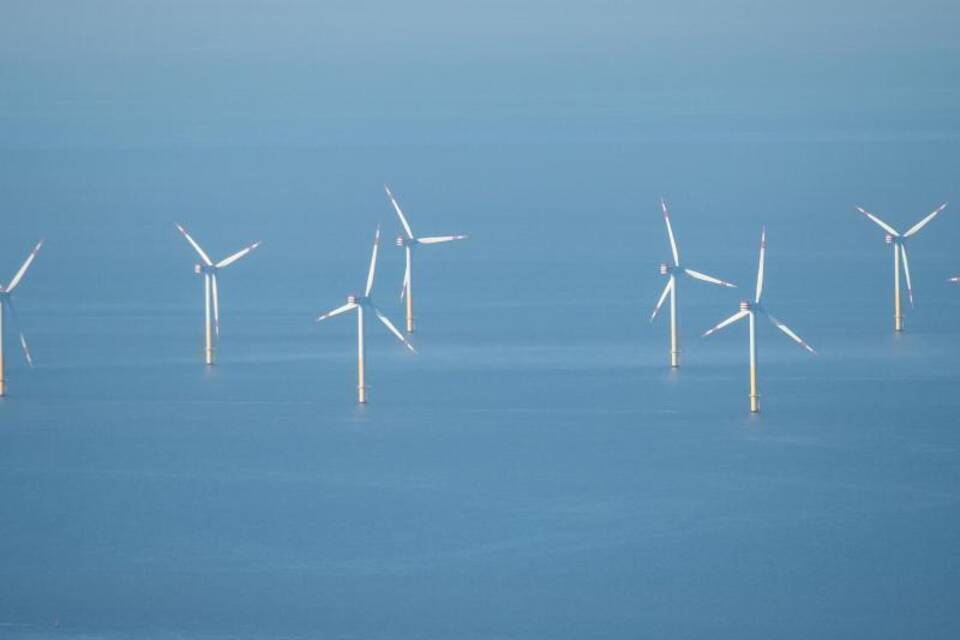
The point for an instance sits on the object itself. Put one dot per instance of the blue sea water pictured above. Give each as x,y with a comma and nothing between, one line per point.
536,470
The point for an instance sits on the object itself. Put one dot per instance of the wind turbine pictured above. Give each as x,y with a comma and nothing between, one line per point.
6,302
409,242
672,271
361,304
750,310
899,243
211,295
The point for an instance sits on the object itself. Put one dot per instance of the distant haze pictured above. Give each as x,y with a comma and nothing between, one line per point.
104,73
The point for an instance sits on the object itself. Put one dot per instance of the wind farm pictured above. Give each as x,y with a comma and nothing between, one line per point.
363,304
409,243
6,305
672,271
750,309
463,392
211,291
899,243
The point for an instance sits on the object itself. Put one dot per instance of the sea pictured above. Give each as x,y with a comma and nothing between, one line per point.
536,469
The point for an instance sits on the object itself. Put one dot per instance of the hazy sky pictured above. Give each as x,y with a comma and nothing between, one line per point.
199,72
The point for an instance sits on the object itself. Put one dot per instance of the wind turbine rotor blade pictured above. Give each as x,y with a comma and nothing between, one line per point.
706,278
239,254
23,268
389,325
16,327
350,306
790,333
906,272
438,239
396,207
878,221
737,316
763,252
920,225
673,241
196,247
216,304
373,263
663,296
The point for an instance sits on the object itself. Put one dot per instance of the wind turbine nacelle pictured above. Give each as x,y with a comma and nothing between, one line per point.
664,268
888,239
744,305
352,299
197,268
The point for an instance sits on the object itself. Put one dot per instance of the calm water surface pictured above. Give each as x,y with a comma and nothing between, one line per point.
535,471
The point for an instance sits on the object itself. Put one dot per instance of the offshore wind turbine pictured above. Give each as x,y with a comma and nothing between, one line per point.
750,310
6,302
671,289
363,304
899,243
409,242
211,294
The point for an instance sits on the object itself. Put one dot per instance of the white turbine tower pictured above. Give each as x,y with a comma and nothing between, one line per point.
750,310
6,302
671,288
361,304
899,243
409,242
211,294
